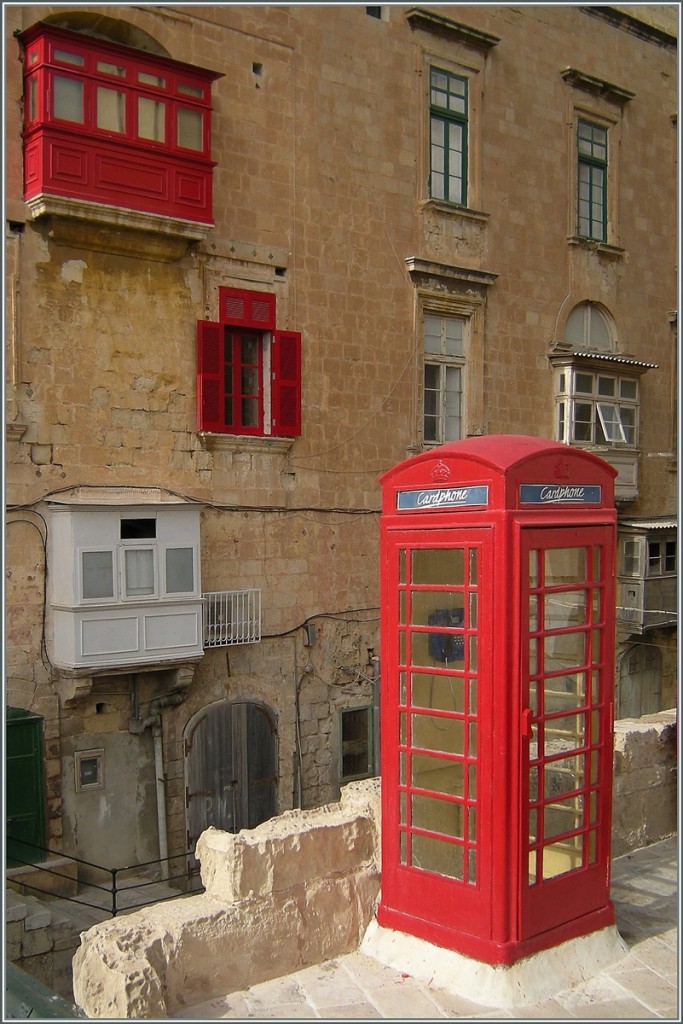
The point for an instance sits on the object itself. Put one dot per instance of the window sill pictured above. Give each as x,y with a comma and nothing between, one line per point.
115,229
454,210
611,252
241,445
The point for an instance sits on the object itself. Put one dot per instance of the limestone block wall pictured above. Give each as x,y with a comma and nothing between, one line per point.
645,796
294,891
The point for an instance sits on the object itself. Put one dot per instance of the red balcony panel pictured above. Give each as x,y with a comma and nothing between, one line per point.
190,188
117,174
67,164
114,173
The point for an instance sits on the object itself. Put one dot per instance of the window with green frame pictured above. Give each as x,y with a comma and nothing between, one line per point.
591,140
448,136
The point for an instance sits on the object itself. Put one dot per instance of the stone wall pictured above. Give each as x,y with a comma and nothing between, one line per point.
294,891
645,797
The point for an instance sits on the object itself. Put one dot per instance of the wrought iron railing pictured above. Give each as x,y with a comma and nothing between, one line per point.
232,617
107,896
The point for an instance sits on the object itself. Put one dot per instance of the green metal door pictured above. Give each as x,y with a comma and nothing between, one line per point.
25,792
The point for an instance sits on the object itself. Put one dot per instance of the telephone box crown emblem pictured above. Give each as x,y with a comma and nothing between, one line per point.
441,472
562,470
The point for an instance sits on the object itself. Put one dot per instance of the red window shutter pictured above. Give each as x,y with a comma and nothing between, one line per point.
209,384
286,391
242,308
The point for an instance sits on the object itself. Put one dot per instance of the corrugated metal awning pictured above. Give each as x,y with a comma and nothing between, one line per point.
658,523
603,357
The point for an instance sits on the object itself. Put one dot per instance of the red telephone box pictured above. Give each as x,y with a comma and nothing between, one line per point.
497,591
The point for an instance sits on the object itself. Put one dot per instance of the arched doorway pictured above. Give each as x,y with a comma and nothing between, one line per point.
230,767
639,682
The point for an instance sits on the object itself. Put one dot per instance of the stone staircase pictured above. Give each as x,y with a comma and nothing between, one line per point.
42,932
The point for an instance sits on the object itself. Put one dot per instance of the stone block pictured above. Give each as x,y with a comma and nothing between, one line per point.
33,943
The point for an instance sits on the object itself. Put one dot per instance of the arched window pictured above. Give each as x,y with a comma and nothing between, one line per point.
588,327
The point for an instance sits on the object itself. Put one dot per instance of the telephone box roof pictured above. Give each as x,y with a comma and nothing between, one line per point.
501,452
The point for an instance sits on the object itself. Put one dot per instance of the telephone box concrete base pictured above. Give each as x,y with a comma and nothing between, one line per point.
529,981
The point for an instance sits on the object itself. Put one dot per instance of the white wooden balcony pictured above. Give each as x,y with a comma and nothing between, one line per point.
231,617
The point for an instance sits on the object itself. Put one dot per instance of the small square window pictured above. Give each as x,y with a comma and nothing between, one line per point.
89,767
357,759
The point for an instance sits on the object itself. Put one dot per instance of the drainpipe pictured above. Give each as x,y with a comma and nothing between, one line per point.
137,726
161,795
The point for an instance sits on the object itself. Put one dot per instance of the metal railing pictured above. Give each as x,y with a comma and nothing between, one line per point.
109,894
232,617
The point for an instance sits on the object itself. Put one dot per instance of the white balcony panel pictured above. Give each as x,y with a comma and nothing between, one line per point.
168,631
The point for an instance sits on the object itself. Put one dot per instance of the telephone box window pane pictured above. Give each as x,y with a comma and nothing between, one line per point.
139,572
473,653
563,816
403,688
67,99
179,570
472,781
403,854
190,134
438,856
402,566
436,815
534,571
565,565
473,697
434,733
426,610
565,692
473,611
533,657
595,647
563,776
440,566
402,607
564,652
593,807
402,647
440,693
472,752
558,858
402,770
403,808
533,825
566,609
403,730
151,120
533,696
97,574
472,867
111,110
437,774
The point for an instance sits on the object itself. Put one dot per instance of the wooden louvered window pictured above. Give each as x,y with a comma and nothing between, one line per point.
248,372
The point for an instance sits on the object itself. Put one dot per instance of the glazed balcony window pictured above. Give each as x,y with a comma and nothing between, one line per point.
109,124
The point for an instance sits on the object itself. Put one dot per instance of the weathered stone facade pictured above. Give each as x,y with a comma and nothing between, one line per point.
320,129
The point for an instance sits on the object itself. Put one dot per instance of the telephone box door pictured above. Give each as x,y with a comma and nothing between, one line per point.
436,728
566,718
